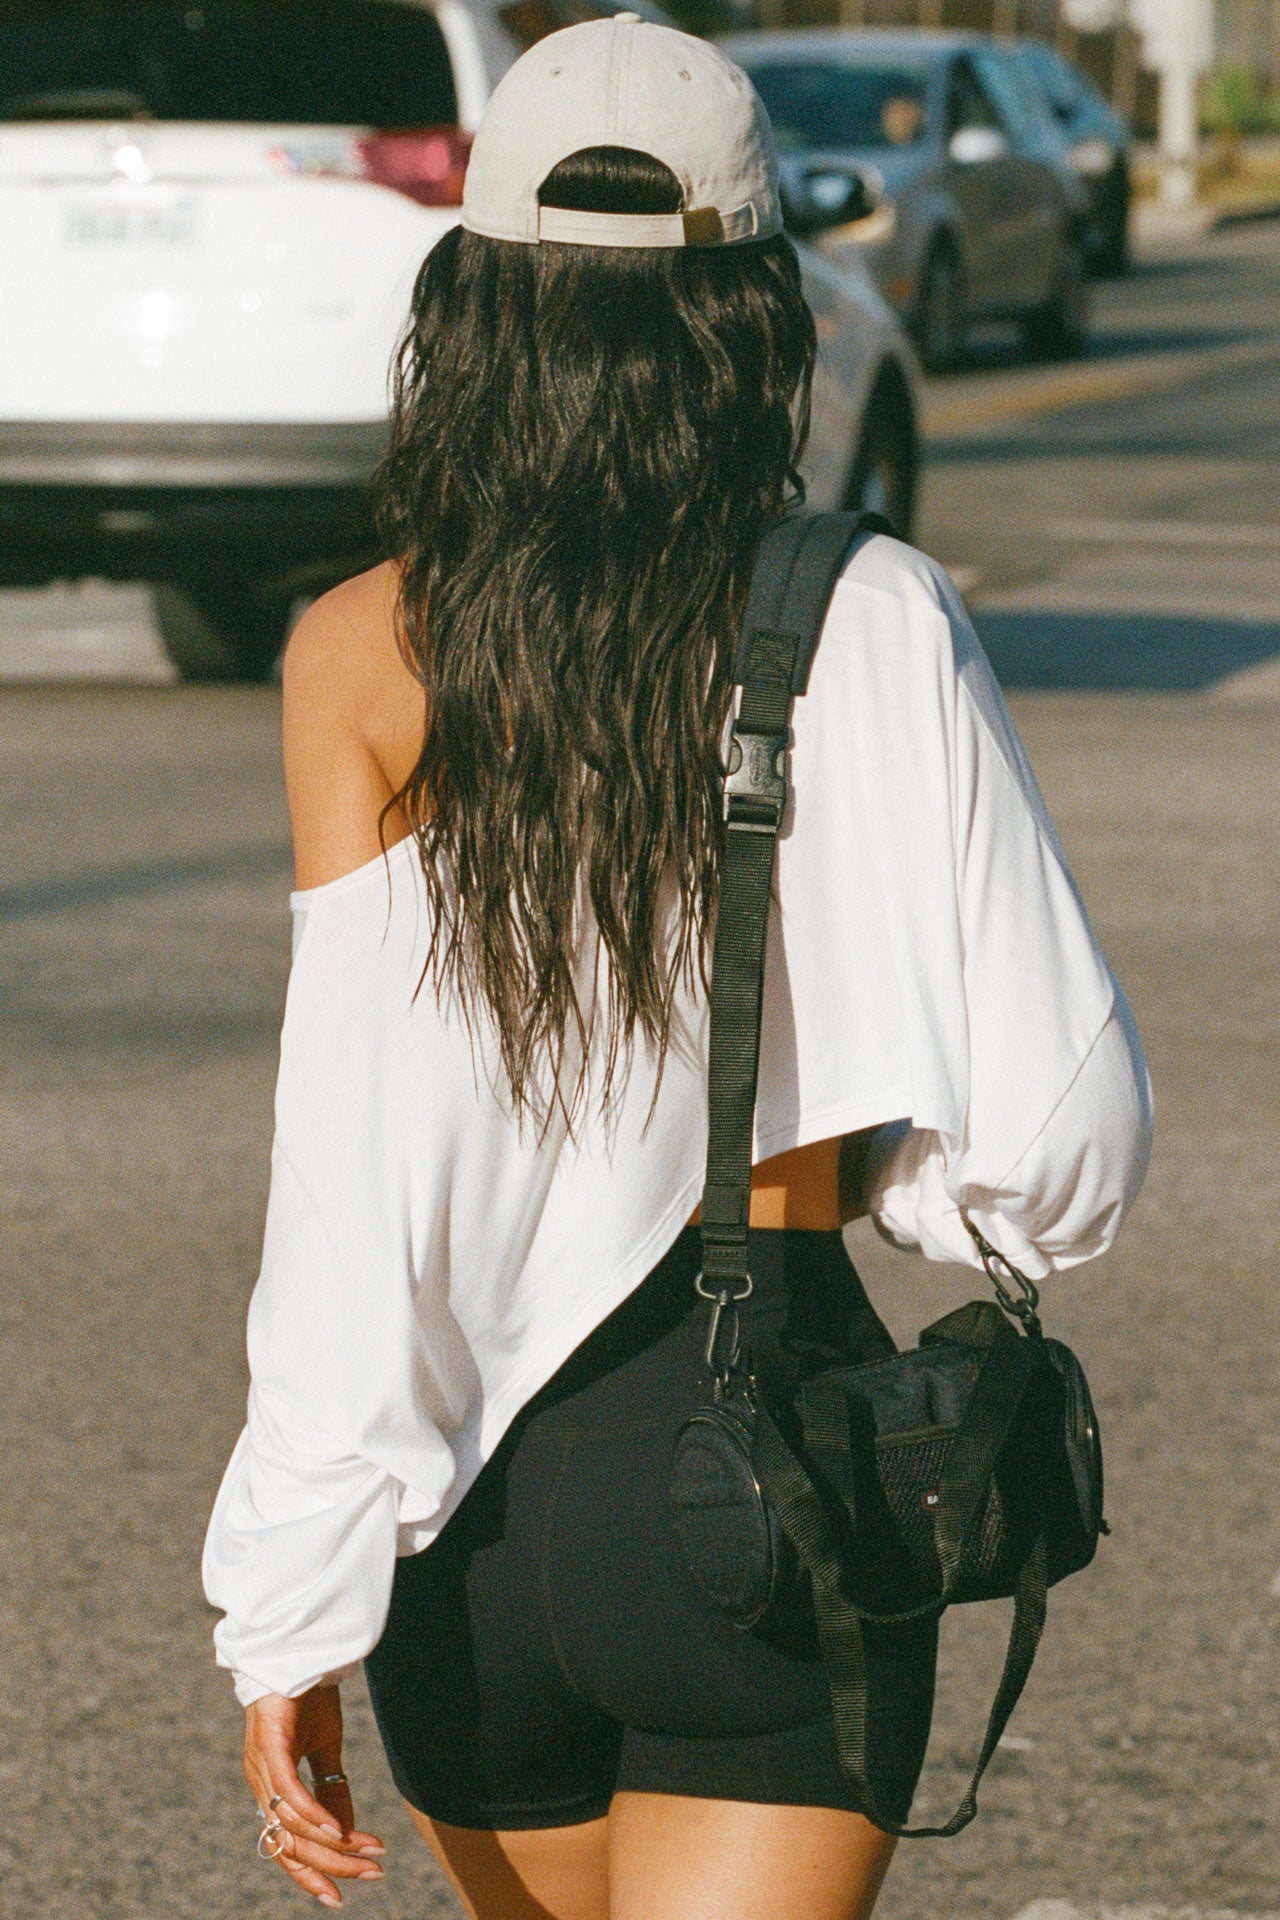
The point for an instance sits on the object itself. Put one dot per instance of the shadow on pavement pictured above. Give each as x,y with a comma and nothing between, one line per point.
1135,652
143,879
1127,343
998,345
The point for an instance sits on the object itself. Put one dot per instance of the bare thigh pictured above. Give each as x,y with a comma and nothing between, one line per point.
539,1873
668,1857
672,1858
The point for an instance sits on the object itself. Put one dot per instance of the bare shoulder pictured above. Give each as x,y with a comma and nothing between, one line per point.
344,650
353,722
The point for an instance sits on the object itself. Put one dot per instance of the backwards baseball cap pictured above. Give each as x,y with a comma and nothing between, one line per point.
625,82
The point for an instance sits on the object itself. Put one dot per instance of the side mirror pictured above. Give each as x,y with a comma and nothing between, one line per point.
977,146
821,198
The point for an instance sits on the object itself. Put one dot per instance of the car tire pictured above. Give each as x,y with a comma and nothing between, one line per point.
1113,260
1059,328
887,464
939,321
222,633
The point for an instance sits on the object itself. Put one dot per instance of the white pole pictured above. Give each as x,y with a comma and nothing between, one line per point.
1180,100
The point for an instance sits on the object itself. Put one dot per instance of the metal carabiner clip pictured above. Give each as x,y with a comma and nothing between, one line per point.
997,1269
724,1336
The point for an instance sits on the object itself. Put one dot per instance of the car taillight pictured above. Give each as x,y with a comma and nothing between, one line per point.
427,164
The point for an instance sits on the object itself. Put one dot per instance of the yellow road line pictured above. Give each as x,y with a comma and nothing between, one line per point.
946,415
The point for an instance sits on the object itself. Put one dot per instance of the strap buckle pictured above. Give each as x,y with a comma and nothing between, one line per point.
755,782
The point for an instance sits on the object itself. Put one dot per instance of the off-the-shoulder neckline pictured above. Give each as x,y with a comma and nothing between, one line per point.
908,564
380,864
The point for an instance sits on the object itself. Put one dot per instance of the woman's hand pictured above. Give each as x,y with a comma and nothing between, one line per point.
315,1842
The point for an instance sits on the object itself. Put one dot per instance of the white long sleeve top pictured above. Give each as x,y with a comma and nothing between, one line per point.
427,1265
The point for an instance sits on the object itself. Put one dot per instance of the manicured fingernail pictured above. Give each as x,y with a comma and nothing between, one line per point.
327,1900
371,1853
371,1873
335,1832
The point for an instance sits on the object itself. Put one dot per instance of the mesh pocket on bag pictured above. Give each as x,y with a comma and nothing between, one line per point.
910,1469
910,1472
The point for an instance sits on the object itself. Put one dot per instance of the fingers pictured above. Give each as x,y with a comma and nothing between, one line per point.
316,1868
325,1832
281,1767
335,1797
313,1857
301,1811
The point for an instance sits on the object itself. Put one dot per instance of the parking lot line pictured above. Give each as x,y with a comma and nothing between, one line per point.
1068,1910
1166,533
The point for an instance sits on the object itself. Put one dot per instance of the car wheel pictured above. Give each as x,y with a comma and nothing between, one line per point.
1058,329
887,464
1113,255
939,325
222,632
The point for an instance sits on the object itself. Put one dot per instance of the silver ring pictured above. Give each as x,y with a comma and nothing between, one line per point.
274,1801
329,1779
268,1833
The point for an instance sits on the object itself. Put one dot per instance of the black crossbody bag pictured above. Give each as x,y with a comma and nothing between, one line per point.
968,1468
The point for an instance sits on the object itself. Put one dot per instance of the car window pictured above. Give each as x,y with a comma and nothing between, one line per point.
968,102
294,61
842,104
528,21
1063,87
1021,105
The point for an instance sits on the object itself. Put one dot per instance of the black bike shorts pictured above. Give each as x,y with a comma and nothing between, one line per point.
549,1649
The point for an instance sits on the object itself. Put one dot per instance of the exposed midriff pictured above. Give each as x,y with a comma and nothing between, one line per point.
797,1189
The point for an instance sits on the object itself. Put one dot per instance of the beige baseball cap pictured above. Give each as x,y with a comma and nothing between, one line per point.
625,82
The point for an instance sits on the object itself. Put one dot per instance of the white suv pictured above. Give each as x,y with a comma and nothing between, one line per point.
211,213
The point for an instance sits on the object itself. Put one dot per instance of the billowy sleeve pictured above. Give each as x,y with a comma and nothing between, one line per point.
300,1554
300,1550
381,1332
1057,1132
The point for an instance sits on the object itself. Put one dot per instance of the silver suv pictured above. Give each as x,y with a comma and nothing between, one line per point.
935,158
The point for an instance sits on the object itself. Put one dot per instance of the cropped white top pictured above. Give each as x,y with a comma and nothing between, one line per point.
427,1265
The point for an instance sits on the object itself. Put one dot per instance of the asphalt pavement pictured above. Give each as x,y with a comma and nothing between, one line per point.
1115,526
1116,522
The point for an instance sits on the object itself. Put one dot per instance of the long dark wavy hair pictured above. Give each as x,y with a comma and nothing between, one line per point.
586,445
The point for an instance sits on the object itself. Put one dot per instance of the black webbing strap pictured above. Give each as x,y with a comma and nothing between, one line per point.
806,1515
811,1522
844,1656
796,567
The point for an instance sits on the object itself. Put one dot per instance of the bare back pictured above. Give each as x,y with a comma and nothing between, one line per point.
354,715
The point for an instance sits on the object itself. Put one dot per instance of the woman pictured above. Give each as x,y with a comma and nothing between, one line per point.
475,1332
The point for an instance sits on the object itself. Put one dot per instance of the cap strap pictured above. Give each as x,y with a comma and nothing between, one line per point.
700,227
